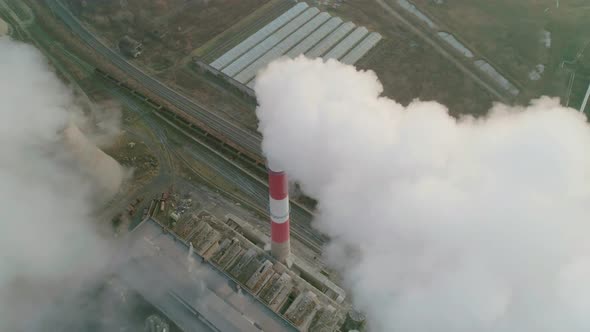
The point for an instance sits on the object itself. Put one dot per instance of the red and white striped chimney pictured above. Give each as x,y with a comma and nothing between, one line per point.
278,187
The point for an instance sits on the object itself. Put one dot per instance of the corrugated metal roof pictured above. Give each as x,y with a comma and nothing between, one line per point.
258,50
361,49
346,44
257,37
330,41
281,48
315,37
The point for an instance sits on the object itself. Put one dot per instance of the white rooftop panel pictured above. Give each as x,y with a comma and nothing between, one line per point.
315,37
258,50
361,49
346,44
257,37
330,41
249,72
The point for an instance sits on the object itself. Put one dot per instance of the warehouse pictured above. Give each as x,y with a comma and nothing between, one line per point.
300,30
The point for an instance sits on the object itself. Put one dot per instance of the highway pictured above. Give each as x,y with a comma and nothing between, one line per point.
248,141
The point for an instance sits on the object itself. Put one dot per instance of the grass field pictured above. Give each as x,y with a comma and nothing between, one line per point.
410,69
189,25
185,25
510,33
579,88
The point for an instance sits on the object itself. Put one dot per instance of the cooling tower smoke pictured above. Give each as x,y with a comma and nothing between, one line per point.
50,250
106,173
438,224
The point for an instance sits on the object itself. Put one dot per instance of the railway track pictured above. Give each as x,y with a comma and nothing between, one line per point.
251,187
302,234
227,131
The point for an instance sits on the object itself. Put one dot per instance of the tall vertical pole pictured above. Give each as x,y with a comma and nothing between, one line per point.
279,213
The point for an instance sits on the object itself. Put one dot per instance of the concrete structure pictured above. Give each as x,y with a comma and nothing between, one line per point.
355,320
301,295
303,308
194,295
155,323
278,188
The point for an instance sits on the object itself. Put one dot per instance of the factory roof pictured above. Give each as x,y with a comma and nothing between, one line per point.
191,293
233,253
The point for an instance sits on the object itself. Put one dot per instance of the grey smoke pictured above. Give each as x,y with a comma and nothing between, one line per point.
50,250
438,224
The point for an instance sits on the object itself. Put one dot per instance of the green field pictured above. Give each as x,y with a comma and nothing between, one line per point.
509,33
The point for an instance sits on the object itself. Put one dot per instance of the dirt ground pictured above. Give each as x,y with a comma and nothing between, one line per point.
410,69
169,29
136,156
203,88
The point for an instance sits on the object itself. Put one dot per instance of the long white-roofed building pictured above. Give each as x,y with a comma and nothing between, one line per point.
299,30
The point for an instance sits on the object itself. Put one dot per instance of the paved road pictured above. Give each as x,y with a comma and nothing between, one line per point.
250,142
442,51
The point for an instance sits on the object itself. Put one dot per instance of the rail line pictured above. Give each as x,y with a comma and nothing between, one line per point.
246,142
255,189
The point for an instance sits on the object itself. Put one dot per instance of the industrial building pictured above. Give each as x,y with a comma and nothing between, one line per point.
301,30
225,245
155,323
283,291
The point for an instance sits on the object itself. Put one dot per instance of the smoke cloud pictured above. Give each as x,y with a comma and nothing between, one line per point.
50,250
438,224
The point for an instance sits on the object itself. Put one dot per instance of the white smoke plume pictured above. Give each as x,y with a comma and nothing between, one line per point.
438,224
50,249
